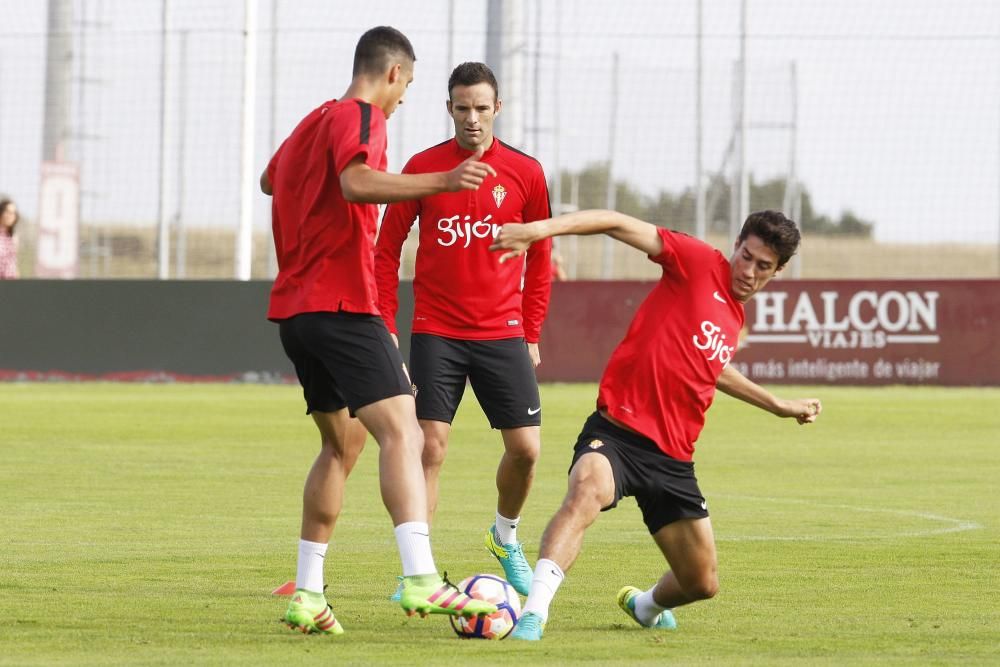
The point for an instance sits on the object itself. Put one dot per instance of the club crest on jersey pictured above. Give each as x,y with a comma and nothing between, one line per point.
499,194
595,444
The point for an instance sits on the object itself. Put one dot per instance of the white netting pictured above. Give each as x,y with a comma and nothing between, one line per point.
885,112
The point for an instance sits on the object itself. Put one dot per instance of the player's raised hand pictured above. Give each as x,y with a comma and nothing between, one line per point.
515,237
469,175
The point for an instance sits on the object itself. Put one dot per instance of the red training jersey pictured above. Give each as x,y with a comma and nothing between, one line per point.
460,288
324,243
661,378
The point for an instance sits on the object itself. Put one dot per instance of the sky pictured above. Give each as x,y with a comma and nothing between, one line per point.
897,108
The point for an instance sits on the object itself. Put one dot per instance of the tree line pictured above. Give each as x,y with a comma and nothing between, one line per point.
677,210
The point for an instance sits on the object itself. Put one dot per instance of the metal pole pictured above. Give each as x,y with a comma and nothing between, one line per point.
58,72
744,187
570,256
556,119
272,259
272,133
244,237
536,118
574,240
450,65
81,145
608,255
163,221
180,257
699,186
792,181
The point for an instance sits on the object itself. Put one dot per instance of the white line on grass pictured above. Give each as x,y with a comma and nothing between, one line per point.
953,525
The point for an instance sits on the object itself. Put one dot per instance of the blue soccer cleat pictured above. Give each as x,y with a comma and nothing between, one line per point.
529,628
395,597
512,560
626,600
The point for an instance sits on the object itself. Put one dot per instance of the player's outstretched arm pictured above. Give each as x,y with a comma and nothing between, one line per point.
735,384
516,237
361,183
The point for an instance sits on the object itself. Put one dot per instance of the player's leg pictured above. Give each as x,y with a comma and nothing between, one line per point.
355,355
393,423
342,439
341,442
503,378
380,394
435,449
592,488
439,367
676,514
689,547
516,471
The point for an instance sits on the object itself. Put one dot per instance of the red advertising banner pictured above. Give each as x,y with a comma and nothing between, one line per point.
873,332
855,332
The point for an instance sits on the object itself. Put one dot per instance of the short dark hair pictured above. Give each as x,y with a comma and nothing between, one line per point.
469,74
376,49
776,231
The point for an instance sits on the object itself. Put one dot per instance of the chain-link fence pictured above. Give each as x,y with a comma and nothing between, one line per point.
875,125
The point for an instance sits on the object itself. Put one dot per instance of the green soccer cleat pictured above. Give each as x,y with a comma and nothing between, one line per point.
429,594
309,613
512,560
626,600
529,628
395,597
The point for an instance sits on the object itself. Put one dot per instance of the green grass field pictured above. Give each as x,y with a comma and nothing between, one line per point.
147,524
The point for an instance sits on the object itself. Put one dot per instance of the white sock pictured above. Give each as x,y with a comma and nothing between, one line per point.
646,609
414,541
506,529
310,571
544,584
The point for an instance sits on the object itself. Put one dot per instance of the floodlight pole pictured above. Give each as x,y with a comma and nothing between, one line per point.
180,254
744,176
272,134
163,221
610,195
448,129
244,237
699,186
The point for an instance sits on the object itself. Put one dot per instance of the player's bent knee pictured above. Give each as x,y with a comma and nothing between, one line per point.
703,588
435,451
522,445
523,457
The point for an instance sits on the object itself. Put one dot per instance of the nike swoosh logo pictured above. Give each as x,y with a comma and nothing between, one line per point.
534,412
416,533
704,505
715,295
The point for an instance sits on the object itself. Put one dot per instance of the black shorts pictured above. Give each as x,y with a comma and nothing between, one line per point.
500,371
665,488
343,360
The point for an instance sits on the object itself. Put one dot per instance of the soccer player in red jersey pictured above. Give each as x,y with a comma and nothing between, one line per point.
652,401
326,179
472,319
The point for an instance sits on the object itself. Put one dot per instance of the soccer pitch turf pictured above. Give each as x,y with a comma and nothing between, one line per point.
147,524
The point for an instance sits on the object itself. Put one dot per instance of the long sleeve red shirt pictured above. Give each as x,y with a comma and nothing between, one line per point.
461,290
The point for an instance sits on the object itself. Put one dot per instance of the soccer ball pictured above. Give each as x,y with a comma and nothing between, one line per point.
492,589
